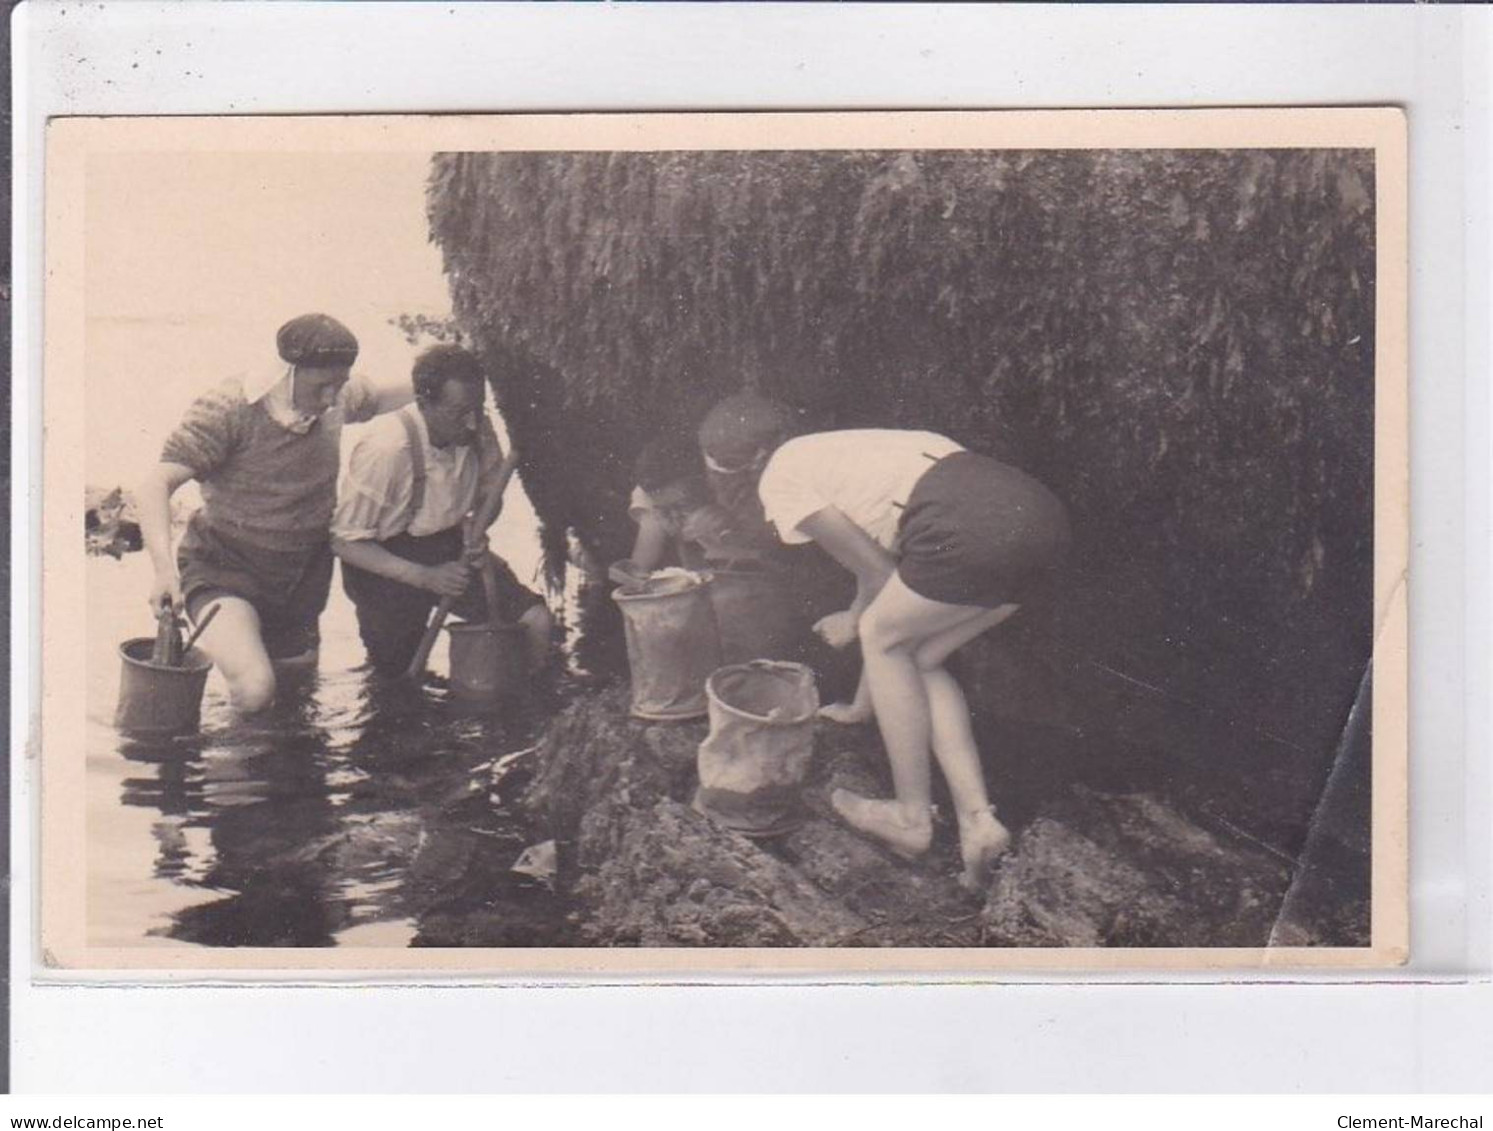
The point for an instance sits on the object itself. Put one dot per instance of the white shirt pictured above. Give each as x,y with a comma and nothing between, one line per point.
865,473
377,489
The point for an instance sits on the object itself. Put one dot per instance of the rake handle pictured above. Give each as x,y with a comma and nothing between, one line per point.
476,526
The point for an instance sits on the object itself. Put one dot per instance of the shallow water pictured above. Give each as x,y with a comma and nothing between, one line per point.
355,813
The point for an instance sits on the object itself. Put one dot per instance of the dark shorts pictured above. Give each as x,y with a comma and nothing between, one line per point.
288,588
979,532
392,616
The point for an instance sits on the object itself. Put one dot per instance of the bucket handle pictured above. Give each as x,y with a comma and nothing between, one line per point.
775,665
800,673
200,629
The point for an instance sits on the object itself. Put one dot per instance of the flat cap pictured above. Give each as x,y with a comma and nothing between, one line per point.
316,340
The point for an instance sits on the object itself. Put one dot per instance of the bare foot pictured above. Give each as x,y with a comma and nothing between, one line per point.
886,821
846,714
982,841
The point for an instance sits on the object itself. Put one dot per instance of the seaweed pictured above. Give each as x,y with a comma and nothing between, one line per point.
1179,343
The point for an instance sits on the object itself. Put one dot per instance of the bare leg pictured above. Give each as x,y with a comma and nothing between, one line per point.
982,838
234,645
896,625
953,740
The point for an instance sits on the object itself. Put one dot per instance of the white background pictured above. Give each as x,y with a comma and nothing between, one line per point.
1430,1028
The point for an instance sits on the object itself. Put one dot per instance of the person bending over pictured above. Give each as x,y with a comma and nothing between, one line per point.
670,488
677,522
410,481
264,448
944,544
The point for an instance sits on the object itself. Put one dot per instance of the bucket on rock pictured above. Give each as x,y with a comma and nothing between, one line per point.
672,643
488,661
755,614
155,698
755,759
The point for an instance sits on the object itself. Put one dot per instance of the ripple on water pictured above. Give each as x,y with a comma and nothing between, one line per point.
348,815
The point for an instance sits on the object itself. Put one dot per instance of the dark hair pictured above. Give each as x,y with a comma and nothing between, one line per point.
667,460
443,363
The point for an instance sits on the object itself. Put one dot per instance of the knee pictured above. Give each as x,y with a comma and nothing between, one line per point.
878,636
929,658
252,690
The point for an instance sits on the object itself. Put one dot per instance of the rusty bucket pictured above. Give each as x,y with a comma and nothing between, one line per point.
489,662
157,700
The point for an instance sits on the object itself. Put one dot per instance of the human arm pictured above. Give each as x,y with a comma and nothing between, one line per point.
362,399
376,491
712,535
494,469
447,580
491,486
854,549
208,435
374,501
154,501
651,546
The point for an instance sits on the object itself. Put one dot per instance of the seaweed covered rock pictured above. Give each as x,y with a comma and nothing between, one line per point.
593,753
902,903
1130,870
651,871
668,876
1179,342
1090,866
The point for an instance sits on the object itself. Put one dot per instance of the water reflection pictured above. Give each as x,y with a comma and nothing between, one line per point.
358,812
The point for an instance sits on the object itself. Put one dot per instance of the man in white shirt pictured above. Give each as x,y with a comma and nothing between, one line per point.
411,479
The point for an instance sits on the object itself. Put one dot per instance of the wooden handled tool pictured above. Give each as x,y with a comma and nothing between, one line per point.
200,629
482,518
168,651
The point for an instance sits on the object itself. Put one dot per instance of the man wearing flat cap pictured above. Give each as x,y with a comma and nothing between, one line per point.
264,448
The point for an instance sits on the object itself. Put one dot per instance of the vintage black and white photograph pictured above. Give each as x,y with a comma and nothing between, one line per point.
905,542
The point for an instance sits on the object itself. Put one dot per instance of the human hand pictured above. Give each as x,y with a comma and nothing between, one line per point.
164,589
846,714
838,630
627,572
449,580
475,552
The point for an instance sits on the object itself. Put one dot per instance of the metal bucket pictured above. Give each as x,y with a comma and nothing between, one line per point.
755,759
157,700
488,661
755,614
672,644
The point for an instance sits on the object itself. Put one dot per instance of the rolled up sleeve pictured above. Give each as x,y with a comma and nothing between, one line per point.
376,491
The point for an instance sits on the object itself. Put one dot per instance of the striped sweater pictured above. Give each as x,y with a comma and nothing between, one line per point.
262,483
